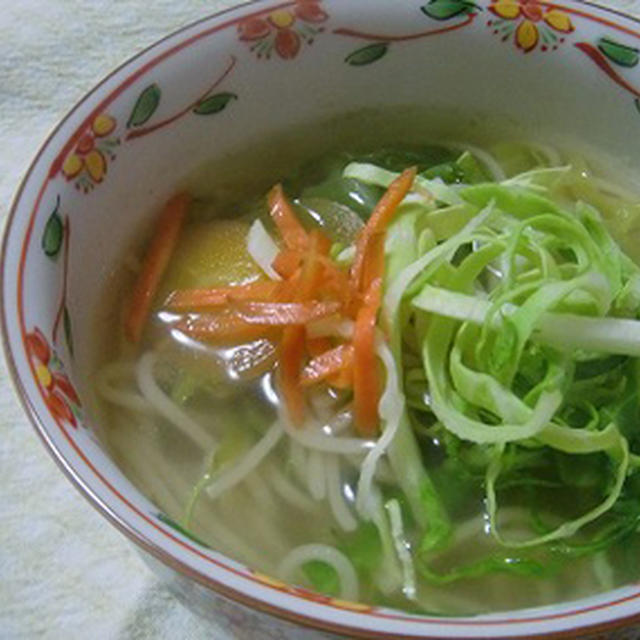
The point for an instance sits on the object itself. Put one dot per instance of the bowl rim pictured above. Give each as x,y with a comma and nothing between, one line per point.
137,537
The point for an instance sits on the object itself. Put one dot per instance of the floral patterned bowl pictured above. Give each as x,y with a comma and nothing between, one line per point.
215,87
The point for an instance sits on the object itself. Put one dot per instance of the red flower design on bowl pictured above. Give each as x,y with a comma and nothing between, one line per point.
283,30
57,390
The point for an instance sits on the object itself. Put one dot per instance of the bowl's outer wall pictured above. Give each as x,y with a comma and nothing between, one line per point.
464,74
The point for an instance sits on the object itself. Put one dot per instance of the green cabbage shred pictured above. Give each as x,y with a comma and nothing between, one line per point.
512,312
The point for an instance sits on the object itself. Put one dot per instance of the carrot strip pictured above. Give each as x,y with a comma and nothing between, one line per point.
185,299
373,265
302,286
155,263
312,272
322,242
221,326
287,262
366,379
284,313
343,379
250,320
292,232
327,364
288,289
376,226
317,346
290,363
335,281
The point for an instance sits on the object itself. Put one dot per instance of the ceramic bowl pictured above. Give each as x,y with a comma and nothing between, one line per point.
225,83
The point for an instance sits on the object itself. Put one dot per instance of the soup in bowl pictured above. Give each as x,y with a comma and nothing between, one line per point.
335,313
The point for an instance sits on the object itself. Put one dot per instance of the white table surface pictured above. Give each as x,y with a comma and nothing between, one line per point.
64,572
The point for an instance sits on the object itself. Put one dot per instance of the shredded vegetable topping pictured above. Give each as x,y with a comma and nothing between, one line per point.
453,364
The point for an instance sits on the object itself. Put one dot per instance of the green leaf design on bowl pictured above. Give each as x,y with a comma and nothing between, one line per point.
446,9
53,233
618,53
214,104
367,55
145,106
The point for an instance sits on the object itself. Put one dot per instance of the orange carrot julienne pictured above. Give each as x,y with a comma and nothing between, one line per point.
313,287
284,313
301,285
321,241
366,380
185,299
317,346
377,224
287,262
327,364
290,364
312,271
154,264
289,288
293,233
222,326
251,320
343,379
373,264
335,281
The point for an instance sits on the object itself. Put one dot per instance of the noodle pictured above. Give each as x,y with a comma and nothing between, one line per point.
324,553
163,404
228,479
339,507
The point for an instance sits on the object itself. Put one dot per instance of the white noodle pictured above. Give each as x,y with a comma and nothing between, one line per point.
384,473
390,409
288,491
159,480
238,472
166,407
314,439
316,476
339,507
388,576
289,568
114,393
298,457
402,549
311,436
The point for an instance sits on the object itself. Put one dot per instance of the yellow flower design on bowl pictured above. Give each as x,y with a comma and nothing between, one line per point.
87,163
532,23
283,30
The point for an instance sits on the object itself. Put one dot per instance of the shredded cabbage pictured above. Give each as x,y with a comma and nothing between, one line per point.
511,292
